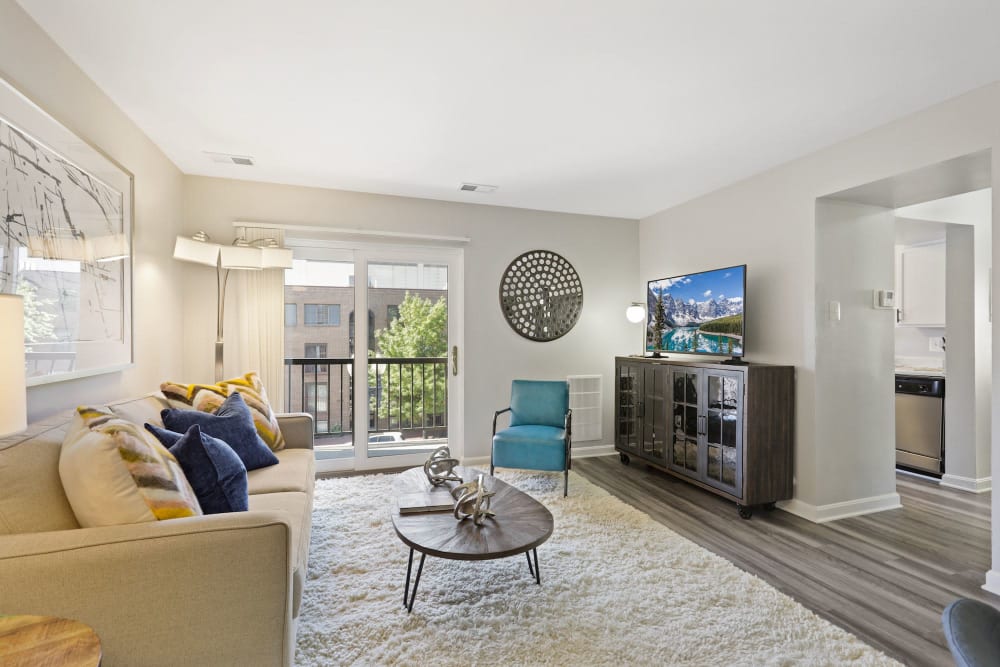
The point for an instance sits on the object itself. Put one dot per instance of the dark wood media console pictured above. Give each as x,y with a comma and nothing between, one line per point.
726,428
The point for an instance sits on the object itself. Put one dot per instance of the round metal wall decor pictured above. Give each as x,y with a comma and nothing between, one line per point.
541,295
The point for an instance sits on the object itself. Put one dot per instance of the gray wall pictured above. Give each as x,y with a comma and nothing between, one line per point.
41,70
603,251
769,222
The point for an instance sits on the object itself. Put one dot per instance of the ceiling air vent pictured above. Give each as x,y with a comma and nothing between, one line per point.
477,187
226,158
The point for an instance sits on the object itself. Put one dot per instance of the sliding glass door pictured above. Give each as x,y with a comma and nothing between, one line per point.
377,362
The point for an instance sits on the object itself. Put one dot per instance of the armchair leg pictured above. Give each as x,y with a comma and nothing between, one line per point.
566,483
491,470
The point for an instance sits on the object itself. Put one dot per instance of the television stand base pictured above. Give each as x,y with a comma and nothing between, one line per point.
735,361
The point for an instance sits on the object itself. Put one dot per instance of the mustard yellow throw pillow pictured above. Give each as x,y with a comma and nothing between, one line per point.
114,473
210,397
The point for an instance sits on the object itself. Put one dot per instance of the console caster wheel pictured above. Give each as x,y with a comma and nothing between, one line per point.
624,458
744,511
770,506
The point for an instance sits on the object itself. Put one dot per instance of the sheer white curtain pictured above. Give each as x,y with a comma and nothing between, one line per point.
255,334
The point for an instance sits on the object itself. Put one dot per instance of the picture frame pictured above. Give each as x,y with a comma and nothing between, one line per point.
66,227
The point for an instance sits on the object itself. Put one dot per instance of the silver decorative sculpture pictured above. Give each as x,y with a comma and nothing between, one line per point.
472,500
440,467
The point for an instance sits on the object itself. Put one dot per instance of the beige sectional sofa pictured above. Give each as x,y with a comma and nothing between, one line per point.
223,589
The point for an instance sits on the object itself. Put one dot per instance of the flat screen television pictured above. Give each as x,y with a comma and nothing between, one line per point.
700,313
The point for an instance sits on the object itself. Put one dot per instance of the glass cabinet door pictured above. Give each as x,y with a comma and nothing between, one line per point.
683,455
723,407
629,422
654,415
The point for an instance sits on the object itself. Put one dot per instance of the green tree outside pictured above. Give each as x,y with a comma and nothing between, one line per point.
412,395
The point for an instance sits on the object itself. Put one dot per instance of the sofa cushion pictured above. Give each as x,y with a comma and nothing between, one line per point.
215,472
114,472
231,423
298,506
32,499
294,472
210,397
141,410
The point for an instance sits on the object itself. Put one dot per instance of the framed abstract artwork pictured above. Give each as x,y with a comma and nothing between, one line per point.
65,244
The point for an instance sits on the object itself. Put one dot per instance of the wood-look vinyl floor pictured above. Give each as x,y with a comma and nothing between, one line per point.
885,577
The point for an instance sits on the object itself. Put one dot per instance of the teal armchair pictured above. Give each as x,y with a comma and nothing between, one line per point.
540,433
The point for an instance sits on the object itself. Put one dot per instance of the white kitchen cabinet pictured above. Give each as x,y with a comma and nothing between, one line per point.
922,286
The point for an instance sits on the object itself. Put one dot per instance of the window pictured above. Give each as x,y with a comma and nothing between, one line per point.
371,331
315,351
391,313
291,315
322,314
317,399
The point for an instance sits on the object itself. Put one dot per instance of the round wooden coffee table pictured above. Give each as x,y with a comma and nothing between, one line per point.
47,640
520,526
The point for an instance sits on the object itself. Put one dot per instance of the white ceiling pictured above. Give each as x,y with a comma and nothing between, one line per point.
612,108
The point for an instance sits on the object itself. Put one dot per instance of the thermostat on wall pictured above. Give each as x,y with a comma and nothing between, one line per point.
884,299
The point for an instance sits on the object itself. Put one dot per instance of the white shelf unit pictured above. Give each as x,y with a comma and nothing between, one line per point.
585,402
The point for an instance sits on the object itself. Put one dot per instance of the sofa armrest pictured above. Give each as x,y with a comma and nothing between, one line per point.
298,429
198,591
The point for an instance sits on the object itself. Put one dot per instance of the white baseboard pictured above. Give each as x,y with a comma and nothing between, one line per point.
834,511
578,453
981,485
992,582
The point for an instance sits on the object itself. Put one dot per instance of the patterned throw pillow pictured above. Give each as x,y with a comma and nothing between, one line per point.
114,472
209,397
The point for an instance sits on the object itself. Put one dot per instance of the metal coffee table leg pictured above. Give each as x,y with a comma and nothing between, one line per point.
409,567
538,572
530,568
416,582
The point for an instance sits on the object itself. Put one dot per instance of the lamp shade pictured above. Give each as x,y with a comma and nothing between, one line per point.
242,257
635,313
277,258
200,252
14,406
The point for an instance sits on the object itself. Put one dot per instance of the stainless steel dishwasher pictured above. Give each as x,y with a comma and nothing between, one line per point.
920,424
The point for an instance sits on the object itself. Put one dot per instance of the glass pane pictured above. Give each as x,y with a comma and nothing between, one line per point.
691,448
692,391
678,451
714,426
679,420
731,392
408,364
714,463
728,429
714,391
319,289
678,387
729,465
691,421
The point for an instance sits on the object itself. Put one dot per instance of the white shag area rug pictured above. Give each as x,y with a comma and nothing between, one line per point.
618,588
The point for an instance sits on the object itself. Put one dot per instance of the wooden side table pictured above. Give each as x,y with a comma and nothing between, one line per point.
40,641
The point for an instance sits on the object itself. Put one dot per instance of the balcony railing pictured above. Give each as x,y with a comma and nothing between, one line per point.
408,395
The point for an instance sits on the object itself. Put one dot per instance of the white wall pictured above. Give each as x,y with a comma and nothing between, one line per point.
854,449
769,222
41,70
603,251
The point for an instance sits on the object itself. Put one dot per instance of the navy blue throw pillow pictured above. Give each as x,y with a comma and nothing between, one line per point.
232,423
213,469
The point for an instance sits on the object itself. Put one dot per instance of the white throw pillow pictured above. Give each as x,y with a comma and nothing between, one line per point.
114,472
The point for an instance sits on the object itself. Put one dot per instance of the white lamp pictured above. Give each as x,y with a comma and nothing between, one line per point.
635,313
14,406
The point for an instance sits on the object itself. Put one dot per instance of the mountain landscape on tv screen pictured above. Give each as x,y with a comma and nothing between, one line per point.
700,313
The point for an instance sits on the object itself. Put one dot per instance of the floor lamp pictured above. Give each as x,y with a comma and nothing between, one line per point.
242,255
14,406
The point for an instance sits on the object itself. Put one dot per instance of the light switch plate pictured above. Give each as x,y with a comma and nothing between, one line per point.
935,344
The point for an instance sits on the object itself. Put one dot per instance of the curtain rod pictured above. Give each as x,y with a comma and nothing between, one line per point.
344,231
